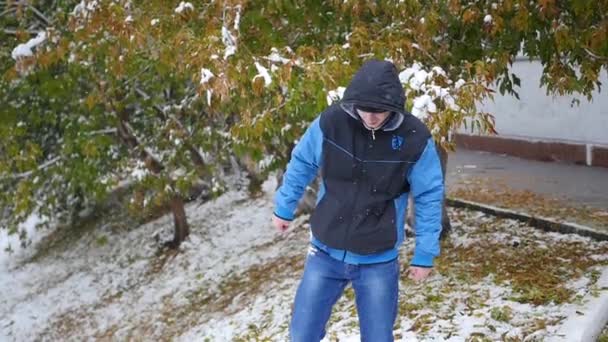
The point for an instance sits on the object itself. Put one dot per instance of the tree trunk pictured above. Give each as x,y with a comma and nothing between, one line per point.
180,221
176,203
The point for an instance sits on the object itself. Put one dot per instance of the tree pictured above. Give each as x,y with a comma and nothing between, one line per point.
167,95
93,80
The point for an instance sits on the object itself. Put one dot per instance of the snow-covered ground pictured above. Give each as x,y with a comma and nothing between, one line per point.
234,280
11,246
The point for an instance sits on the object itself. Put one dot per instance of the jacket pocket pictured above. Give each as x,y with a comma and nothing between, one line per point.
326,220
377,232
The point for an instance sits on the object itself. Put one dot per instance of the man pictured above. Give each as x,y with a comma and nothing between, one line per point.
371,154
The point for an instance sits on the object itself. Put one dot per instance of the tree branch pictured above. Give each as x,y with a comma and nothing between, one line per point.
40,167
14,31
593,55
39,14
197,158
11,9
127,133
103,131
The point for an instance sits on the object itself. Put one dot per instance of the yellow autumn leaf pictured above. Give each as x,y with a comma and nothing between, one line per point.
469,16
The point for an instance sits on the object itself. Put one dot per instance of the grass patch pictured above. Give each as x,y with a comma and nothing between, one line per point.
422,323
537,270
246,286
501,195
102,240
255,333
409,309
604,335
503,314
65,235
478,337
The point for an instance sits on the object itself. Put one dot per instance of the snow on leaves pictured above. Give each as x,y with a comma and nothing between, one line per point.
25,50
422,83
183,7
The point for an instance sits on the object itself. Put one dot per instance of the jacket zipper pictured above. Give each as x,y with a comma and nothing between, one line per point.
357,191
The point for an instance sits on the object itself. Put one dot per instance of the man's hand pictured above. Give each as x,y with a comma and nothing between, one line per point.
280,224
417,273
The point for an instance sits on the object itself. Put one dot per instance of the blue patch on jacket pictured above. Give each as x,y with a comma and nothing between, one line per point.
397,142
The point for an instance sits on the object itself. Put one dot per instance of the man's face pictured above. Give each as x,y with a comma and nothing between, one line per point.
373,120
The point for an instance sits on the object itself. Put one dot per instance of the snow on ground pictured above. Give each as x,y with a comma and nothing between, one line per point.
235,278
445,308
11,248
121,288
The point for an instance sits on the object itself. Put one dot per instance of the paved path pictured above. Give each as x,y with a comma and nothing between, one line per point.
573,192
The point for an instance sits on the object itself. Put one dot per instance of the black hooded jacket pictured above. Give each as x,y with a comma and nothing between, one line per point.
363,171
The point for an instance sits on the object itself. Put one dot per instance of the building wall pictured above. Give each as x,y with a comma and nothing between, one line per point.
540,116
546,127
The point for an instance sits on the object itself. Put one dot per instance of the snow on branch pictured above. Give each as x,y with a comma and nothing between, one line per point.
263,72
25,49
416,78
184,6
335,95
103,131
229,41
84,8
40,167
228,38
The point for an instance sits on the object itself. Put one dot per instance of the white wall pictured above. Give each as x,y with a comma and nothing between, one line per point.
542,117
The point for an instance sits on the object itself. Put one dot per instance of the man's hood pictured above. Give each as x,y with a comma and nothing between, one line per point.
377,85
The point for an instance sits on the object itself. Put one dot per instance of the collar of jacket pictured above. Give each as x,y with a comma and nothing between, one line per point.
392,124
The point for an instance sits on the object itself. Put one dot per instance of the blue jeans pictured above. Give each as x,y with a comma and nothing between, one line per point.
376,295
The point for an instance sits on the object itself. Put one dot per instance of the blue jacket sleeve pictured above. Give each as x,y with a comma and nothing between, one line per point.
301,170
426,182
